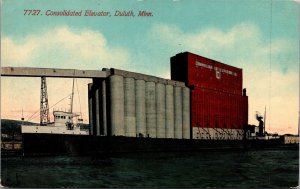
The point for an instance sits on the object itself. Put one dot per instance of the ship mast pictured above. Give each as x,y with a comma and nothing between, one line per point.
71,103
72,96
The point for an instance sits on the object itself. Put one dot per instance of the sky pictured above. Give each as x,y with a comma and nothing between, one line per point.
259,36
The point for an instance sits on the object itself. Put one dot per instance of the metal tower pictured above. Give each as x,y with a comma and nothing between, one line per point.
44,108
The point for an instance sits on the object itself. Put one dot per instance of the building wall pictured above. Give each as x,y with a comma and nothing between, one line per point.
204,98
215,109
139,105
217,133
198,71
290,139
217,99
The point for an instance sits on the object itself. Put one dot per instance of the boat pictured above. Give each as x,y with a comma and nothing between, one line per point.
63,124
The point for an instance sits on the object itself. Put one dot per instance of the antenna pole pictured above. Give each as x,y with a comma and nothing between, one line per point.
22,117
270,61
265,116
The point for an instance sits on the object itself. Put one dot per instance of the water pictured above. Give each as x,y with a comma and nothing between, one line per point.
272,168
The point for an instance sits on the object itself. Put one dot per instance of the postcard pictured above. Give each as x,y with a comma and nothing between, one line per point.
148,93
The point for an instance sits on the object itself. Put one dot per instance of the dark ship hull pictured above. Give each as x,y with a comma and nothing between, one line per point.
58,144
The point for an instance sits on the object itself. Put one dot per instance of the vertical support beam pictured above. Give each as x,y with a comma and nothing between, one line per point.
185,113
91,111
117,105
129,92
178,112
150,110
96,84
140,107
160,110
169,111
104,112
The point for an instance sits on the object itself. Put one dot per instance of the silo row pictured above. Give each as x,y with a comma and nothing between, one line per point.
148,109
141,108
97,107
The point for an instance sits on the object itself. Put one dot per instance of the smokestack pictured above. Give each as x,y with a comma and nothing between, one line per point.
244,92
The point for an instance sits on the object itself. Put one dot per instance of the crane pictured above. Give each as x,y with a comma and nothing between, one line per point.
44,106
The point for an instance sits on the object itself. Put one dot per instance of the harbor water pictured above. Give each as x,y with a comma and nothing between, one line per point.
234,169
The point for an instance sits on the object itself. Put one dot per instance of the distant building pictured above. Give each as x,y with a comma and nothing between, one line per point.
290,139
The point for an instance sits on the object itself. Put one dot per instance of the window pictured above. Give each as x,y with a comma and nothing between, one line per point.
218,74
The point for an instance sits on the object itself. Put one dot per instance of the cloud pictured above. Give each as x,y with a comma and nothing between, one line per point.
297,1
60,47
63,47
244,46
242,41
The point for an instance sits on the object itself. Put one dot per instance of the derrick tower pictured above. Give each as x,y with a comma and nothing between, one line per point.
44,107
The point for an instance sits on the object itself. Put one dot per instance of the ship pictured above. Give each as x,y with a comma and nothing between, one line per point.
63,120
202,107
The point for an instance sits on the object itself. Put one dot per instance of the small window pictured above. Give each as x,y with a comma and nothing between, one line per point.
218,74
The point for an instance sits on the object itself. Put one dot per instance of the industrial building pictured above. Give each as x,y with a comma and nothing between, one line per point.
202,107
204,99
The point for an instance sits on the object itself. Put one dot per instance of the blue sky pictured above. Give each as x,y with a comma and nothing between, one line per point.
236,32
